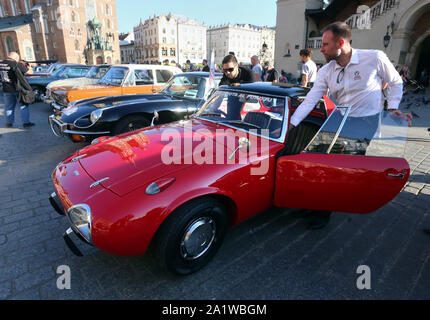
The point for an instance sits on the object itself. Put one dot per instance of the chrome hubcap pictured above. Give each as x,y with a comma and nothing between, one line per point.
198,238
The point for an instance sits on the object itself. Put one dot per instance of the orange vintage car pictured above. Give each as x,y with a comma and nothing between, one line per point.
119,80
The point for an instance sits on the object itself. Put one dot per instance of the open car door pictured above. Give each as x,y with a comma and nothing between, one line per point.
340,172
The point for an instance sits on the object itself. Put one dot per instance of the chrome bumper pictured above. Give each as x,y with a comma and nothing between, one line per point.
60,128
67,236
70,244
56,106
57,127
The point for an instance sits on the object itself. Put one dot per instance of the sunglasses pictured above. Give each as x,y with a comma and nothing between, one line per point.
340,76
228,70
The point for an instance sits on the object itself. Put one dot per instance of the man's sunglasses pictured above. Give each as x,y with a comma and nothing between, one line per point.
340,76
228,70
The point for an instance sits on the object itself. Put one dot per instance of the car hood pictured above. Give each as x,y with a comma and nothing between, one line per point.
69,84
40,79
137,159
70,114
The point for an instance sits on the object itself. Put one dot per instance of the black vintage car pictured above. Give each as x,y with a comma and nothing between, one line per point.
88,119
39,83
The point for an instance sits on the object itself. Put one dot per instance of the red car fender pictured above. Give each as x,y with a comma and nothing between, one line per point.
226,197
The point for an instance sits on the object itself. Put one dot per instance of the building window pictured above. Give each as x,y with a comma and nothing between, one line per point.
9,45
108,24
164,52
76,45
73,16
71,3
13,6
172,52
1,11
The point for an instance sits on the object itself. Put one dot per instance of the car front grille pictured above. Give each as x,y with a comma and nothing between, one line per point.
59,99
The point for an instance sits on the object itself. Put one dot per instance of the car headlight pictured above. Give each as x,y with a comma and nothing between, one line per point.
80,218
95,115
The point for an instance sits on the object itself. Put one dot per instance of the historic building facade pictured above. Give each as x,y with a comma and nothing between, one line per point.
244,40
76,31
191,41
126,45
172,37
401,28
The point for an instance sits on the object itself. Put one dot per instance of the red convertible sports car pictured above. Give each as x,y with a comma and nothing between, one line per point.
175,188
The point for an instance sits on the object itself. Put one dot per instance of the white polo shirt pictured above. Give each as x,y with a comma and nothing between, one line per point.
359,87
310,69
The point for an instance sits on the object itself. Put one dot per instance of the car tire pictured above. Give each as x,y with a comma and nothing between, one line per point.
130,124
190,237
38,92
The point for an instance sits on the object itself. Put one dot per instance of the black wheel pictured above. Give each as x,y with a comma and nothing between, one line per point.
38,93
130,124
191,236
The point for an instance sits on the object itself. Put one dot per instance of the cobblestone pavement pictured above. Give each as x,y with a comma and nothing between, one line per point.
272,256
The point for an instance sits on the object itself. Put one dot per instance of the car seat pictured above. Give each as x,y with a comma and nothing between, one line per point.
259,119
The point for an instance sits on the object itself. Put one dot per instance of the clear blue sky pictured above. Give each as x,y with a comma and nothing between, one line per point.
211,12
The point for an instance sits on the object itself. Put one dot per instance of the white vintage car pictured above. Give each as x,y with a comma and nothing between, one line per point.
92,77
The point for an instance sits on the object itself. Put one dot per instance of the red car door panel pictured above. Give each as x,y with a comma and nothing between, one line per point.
334,182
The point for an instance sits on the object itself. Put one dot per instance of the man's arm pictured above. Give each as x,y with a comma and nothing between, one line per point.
389,74
392,78
313,97
304,80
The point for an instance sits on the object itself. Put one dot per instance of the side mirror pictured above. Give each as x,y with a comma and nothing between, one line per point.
156,117
244,145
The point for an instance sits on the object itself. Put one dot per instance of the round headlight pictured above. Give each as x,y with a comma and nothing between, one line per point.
80,217
95,115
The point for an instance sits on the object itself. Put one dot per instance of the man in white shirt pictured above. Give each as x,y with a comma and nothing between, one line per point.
309,68
353,78
257,70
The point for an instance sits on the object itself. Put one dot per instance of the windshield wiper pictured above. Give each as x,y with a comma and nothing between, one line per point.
241,122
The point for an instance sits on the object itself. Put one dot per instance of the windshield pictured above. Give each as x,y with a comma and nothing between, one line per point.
383,134
53,67
246,111
189,86
96,72
114,76
60,72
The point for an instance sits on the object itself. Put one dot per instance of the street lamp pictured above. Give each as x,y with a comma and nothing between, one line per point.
387,39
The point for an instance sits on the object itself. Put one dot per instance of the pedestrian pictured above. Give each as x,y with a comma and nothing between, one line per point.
9,72
424,78
354,78
257,69
205,66
309,68
271,74
234,75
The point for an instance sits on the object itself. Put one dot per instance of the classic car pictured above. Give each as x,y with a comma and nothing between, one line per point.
175,188
39,83
48,69
91,118
119,80
92,76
